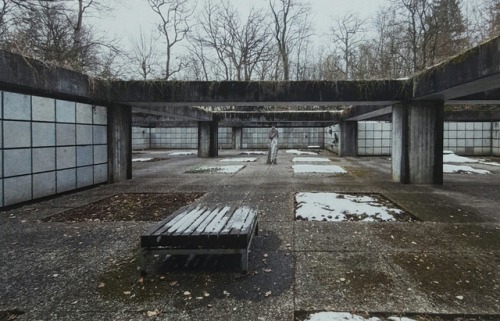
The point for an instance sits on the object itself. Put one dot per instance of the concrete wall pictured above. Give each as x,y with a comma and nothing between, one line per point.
471,138
374,138
49,146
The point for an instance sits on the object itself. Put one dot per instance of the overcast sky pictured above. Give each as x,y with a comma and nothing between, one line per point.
131,15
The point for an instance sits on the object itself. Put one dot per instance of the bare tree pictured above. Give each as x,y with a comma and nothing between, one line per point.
144,55
174,25
289,17
348,34
233,48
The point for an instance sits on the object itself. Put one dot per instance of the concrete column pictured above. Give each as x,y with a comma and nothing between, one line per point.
237,137
119,143
208,139
348,140
417,142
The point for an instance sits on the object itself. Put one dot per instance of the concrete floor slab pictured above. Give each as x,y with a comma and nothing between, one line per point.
52,271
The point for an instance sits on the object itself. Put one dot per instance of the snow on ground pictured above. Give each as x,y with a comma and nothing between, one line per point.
341,316
490,163
334,207
228,169
298,152
144,159
318,169
452,169
241,159
310,159
452,158
253,153
181,153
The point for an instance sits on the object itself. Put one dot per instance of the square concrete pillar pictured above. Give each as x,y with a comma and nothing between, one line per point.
119,143
237,137
208,139
348,140
417,142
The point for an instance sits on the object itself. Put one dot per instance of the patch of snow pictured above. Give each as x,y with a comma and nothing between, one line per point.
181,153
253,153
310,159
334,207
446,152
228,169
241,159
318,169
452,158
298,152
144,159
490,163
451,169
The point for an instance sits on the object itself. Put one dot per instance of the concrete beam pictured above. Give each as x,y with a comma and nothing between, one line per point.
279,116
474,71
374,114
30,76
197,93
277,124
465,116
176,113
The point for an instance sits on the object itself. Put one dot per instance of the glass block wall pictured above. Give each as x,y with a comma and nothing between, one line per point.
288,137
471,138
332,136
495,132
49,146
374,138
187,138
176,138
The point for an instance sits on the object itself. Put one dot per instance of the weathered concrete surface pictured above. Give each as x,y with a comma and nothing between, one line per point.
119,143
253,93
417,142
474,71
445,264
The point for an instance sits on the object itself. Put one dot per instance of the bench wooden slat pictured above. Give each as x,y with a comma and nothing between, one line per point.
248,225
207,221
188,231
158,227
215,227
204,228
236,220
187,220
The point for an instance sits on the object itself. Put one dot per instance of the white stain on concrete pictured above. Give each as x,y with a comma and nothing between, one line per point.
305,168
342,316
310,159
298,152
463,169
240,159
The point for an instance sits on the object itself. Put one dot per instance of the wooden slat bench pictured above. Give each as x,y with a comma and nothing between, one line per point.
202,230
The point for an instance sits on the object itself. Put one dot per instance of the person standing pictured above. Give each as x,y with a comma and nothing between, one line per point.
272,155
